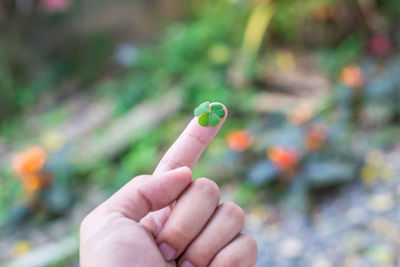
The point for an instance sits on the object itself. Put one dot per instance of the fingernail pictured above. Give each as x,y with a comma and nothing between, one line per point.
186,264
167,252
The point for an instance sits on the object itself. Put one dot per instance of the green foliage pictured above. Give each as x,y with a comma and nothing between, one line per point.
245,193
290,15
9,193
334,60
391,8
90,59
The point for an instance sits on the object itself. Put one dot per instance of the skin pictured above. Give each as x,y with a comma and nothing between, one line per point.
166,219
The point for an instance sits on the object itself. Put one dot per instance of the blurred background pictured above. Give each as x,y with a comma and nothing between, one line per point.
93,92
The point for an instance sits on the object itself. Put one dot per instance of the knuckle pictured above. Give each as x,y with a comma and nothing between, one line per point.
207,187
171,163
200,257
204,254
198,138
251,245
233,211
140,177
177,237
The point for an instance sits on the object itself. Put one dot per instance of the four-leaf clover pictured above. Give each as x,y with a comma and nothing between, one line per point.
209,115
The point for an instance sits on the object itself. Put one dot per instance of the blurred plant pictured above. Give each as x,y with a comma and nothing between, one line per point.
28,165
375,168
256,27
380,45
44,191
284,158
352,77
55,5
324,11
239,140
316,137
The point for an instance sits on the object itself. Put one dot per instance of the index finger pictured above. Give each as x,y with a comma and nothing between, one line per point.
189,146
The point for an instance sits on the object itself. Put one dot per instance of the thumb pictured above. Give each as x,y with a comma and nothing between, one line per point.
147,193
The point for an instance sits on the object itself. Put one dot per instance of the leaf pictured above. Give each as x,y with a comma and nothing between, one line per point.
204,120
218,109
213,120
209,116
203,107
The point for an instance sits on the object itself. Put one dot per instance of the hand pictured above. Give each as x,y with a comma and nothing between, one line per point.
137,226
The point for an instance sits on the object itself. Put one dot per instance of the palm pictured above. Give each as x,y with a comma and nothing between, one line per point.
128,236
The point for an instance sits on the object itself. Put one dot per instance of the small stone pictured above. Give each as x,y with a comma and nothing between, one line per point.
320,261
352,260
290,248
380,254
271,233
381,202
356,215
126,54
21,247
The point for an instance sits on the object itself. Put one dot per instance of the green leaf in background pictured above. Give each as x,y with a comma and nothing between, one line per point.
209,116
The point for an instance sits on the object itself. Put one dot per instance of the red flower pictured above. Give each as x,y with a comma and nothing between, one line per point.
55,5
380,45
315,138
28,165
29,161
240,140
283,158
352,77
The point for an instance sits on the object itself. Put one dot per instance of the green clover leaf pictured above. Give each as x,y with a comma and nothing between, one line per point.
209,115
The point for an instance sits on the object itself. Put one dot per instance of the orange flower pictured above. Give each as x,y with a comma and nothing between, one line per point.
240,140
283,158
315,138
29,161
32,182
352,77
28,165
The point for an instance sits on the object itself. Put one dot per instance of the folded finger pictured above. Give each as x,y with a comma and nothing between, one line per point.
142,195
226,223
241,252
188,217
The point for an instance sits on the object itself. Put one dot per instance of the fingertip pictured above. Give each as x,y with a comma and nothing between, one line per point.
190,145
187,171
183,173
184,170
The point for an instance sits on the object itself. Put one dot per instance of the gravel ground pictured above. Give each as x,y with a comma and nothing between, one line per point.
358,226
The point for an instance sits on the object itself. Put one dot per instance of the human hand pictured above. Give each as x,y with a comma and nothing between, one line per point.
166,219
